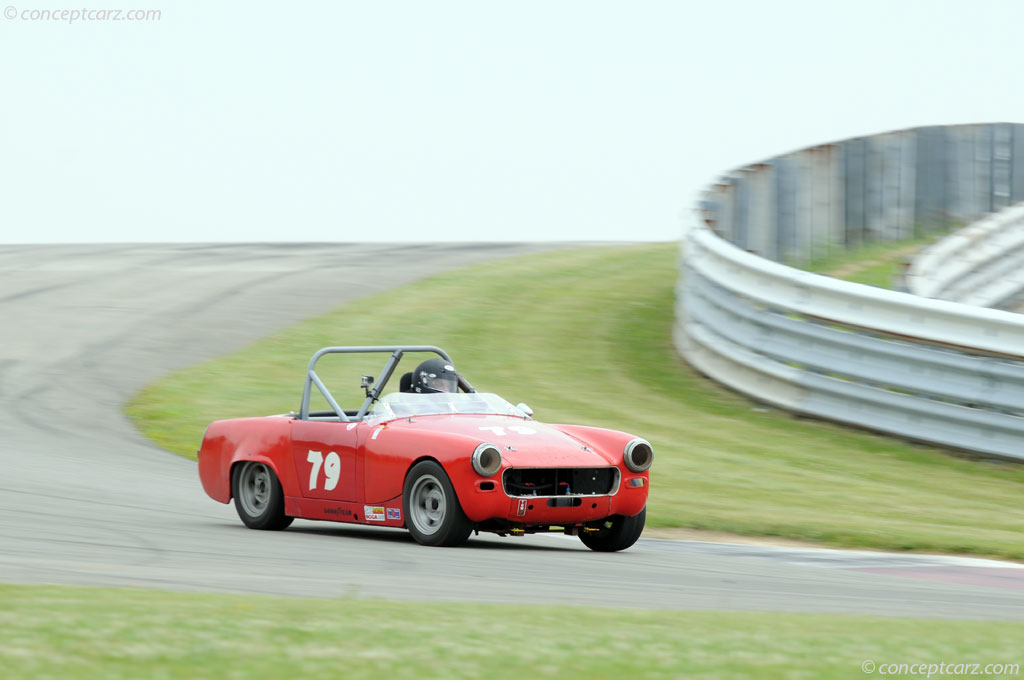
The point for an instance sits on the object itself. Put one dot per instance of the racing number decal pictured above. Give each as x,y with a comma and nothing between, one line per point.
332,469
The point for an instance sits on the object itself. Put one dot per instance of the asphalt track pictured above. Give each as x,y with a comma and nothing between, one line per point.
84,499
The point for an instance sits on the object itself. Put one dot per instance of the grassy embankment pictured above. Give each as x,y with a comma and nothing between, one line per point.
874,264
74,633
584,336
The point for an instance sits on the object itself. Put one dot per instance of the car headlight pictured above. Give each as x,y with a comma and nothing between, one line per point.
638,455
486,460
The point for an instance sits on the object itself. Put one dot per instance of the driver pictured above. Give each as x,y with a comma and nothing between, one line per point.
435,375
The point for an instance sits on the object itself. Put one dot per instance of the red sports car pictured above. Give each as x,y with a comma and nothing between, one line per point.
436,457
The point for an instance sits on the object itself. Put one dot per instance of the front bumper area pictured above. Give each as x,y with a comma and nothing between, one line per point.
558,510
599,493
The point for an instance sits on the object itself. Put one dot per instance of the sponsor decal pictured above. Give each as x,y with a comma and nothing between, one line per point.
338,511
373,513
394,513
521,510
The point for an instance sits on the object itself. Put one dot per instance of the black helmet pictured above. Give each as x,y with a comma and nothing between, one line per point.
435,375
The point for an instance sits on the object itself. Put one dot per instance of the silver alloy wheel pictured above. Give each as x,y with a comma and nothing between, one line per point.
427,504
254,488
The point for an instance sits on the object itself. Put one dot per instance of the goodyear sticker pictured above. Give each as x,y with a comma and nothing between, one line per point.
394,513
373,513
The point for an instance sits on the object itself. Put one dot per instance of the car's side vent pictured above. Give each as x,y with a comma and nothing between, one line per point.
559,481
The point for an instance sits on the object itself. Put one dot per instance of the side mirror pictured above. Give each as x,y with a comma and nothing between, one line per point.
525,409
366,382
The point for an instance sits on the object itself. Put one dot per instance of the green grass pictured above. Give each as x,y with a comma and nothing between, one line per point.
584,336
874,264
72,633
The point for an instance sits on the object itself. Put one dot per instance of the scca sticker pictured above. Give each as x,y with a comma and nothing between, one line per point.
373,513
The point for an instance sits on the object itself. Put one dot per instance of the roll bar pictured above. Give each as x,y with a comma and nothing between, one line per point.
397,351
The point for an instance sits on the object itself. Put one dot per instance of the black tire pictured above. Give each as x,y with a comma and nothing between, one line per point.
259,499
432,512
617,533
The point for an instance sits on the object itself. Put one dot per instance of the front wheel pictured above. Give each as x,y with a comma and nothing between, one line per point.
615,533
432,511
259,499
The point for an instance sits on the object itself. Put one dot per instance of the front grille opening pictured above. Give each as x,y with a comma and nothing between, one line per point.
558,481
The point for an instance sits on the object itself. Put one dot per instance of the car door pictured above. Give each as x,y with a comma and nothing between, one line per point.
325,459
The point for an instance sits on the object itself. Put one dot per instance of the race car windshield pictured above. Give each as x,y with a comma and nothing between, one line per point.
405,404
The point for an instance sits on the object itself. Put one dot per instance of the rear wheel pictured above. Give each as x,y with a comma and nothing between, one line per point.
432,511
615,533
259,499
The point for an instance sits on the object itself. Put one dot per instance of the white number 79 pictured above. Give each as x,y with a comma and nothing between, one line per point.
332,469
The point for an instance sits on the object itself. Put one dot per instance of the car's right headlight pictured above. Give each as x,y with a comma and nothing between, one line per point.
638,455
486,460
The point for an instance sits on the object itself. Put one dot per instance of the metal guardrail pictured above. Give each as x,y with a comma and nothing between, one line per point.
982,264
925,369
901,185
928,369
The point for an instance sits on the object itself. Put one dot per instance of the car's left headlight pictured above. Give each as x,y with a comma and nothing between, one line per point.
638,455
486,460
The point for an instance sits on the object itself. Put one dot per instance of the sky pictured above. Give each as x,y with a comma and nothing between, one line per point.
455,121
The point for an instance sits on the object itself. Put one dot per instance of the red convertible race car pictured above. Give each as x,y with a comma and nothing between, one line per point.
436,457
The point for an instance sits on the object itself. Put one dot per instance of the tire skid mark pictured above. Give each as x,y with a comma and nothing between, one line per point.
101,275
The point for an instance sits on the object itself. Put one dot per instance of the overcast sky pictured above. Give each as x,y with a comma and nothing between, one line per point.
383,121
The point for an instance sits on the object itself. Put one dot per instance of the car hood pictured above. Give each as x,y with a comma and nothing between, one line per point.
523,443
